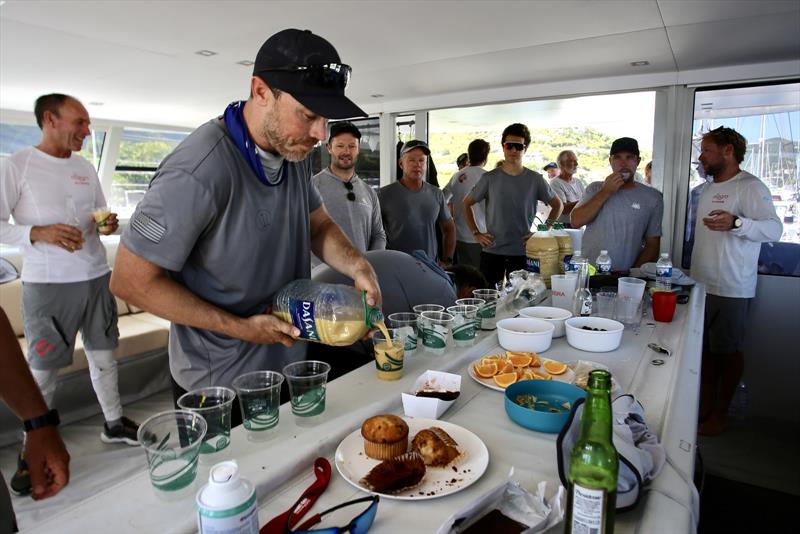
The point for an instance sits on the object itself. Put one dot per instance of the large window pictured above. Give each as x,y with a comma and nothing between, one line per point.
368,165
140,153
15,137
768,116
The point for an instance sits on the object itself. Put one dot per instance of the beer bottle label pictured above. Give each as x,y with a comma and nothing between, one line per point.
588,510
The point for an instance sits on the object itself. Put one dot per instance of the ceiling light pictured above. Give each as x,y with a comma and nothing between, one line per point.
245,63
377,95
706,105
206,53
639,63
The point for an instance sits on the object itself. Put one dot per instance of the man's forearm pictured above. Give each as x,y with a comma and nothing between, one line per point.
449,238
467,207
649,252
585,213
17,386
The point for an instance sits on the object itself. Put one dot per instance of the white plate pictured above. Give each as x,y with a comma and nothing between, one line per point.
567,376
353,464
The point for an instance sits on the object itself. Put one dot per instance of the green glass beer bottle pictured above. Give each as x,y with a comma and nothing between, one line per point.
593,464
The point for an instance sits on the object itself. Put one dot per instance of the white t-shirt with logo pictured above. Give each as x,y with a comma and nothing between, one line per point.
35,191
567,191
455,191
727,262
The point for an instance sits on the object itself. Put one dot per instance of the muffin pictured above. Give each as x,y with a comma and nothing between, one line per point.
435,446
385,436
395,475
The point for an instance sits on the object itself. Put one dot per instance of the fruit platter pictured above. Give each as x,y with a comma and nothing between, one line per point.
498,371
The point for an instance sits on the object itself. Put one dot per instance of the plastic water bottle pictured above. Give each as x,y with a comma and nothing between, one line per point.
738,406
664,273
575,263
603,263
331,314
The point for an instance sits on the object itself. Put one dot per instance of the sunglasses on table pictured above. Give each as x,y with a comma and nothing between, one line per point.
359,525
519,147
350,195
325,75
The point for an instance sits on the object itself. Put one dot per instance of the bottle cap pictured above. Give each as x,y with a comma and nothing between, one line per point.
665,254
603,252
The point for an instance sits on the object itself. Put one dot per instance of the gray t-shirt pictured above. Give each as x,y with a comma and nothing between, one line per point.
510,207
567,191
457,189
231,240
622,224
410,217
359,219
405,281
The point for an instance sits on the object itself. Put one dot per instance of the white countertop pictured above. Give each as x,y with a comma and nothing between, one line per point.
282,467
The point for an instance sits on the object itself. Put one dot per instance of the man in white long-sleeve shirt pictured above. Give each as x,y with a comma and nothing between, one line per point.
52,193
737,215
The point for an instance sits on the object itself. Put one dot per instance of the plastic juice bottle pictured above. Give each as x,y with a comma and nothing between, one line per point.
542,252
564,246
331,314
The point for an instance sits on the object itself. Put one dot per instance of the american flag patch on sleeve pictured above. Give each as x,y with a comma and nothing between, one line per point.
147,227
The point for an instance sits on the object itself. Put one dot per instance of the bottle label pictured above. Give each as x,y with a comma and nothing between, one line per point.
302,312
664,271
588,510
533,265
586,307
604,268
568,263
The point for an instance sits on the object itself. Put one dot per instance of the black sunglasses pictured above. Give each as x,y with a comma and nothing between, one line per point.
350,195
519,147
327,75
359,525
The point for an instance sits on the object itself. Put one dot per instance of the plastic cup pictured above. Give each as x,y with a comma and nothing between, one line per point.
626,310
171,441
562,290
488,312
435,329
260,401
463,327
214,404
307,382
664,303
406,324
631,287
389,360
605,304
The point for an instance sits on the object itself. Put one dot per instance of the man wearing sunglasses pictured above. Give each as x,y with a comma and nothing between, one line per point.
231,217
511,193
621,215
351,203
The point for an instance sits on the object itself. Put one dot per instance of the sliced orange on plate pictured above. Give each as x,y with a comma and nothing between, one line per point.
505,367
538,375
486,370
555,368
520,359
505,379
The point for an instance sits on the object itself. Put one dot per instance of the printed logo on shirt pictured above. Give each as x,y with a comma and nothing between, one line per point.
80,180
719,198
264,219
461,178
636,206
147,227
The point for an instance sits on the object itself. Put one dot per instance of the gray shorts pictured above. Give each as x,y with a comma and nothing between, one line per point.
725,322
53,314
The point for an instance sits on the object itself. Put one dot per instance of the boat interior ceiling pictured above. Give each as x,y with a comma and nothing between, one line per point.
137,62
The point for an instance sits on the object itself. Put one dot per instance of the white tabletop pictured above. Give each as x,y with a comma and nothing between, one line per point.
283,467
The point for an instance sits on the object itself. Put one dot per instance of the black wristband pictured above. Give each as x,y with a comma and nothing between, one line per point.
49,419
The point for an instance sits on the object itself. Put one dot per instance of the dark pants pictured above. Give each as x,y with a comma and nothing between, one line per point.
495,266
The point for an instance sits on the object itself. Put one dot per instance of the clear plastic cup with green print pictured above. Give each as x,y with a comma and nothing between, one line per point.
406,324
488,312
214,404
435,330
473,302
307,383
260,401
463,324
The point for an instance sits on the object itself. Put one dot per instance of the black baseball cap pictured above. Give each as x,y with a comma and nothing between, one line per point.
625,144
307,67
551,165
415,143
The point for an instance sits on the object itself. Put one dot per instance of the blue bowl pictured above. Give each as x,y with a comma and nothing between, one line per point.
551,395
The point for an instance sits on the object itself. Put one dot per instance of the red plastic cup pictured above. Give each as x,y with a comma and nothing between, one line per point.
664,303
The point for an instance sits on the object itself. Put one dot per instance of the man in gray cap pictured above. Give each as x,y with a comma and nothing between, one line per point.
231,217
621,215
411,208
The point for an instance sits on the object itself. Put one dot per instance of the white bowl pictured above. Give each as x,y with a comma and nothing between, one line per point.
524,334
556,316
594,341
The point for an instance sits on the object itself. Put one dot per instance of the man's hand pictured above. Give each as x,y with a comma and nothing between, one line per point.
365,279
613,182
111,225
65,236
268,329
48,461
719,221
485,239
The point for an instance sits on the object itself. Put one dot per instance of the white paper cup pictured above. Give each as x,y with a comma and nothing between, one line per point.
562,290
631,287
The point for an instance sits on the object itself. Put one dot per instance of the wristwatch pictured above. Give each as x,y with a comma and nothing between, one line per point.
737,222
476,232
447,260
49,419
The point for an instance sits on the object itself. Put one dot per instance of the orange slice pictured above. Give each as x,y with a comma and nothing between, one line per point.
487,370
554,368
496,361
538,375
528,374
520,360
494,357
506,379
505,367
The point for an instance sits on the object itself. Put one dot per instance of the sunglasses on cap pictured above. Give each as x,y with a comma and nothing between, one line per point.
350,195
519,147
359,525
335,75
